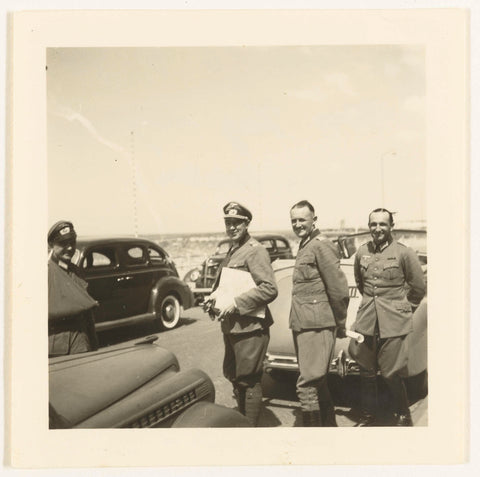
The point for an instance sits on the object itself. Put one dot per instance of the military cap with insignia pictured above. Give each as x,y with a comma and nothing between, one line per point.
234,210
61,231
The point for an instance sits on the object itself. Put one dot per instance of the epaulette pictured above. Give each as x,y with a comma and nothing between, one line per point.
402,244
320,237
253,243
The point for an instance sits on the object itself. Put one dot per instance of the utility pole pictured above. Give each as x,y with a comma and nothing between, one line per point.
134,182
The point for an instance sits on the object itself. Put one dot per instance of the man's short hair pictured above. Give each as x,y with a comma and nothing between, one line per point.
304,203
381,209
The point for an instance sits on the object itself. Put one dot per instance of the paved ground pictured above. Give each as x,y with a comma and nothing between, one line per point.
197,342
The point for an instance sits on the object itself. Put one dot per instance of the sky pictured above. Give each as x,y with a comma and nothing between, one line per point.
158,140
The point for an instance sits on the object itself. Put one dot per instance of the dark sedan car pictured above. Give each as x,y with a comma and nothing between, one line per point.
132,386
133,280
201,278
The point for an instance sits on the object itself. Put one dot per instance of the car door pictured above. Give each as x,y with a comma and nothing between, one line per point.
282,249
101,267
136,279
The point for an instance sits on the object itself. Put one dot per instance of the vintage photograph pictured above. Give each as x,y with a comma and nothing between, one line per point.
303,167
220,231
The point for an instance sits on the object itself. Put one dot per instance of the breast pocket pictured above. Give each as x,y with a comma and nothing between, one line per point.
238,265
307,270
391,270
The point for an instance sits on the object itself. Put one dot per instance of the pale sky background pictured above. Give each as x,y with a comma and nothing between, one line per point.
185,130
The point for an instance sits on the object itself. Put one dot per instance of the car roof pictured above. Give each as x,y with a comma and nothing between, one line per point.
84,242
260,237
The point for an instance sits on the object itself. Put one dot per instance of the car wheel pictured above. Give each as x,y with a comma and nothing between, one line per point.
168,311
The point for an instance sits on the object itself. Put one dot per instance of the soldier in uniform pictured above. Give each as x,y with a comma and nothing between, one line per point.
245,334
71,325
390,278
319,310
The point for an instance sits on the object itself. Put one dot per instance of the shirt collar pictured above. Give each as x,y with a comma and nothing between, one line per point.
307,239
381,247
242,242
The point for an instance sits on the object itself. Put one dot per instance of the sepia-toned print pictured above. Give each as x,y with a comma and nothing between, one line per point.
145,148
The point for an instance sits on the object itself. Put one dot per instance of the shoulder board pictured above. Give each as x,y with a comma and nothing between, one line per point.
253,243
401,244
321,238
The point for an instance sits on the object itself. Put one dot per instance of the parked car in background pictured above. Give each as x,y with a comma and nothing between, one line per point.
134,280
281,353
132,386
201,279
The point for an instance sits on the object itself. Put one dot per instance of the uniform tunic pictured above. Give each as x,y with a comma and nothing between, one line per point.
320,290
246,337
71,322
390,278
252,257
319,303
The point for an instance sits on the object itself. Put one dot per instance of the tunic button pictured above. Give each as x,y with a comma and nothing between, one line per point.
375,286
314,301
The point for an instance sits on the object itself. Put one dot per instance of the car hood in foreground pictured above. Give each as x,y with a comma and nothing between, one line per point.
82,385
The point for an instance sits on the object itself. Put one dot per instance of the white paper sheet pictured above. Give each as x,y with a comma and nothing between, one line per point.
233,283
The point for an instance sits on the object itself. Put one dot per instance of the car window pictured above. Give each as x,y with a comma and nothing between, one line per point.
135,255
281,245
269,245
223,247
155,256
98,258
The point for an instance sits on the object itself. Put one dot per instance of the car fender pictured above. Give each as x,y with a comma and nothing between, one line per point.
175,285
208,414
417,341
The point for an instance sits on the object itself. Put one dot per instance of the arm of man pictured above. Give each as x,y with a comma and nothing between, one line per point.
259,266
413,276
334,279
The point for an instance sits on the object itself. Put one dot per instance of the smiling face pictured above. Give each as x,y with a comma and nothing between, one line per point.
303,221
63,251
380,227
236,229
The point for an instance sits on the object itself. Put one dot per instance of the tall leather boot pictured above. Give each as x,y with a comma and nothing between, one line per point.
239,394
368,400
253,403
327,409
402,412
327,412
311,419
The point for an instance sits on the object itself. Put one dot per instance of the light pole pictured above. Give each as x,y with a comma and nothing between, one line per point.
382,172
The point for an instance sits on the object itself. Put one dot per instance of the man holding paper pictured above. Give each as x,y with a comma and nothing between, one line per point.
318,314
244,286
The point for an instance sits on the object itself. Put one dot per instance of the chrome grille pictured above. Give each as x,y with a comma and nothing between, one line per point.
165,411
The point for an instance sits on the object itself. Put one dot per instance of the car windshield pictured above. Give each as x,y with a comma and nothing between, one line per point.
223,247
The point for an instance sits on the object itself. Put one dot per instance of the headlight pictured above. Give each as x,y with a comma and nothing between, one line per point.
194,275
